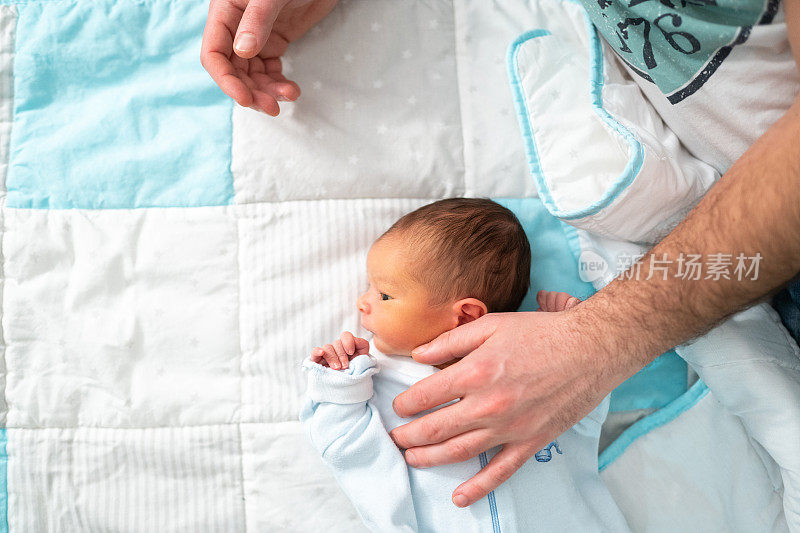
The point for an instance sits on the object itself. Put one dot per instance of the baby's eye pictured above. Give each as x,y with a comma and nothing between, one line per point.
385,296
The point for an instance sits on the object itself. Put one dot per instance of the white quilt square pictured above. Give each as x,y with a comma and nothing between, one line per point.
303,265
288,486
378,116
135,479
121,317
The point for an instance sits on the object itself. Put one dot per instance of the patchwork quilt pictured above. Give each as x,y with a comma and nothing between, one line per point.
168,258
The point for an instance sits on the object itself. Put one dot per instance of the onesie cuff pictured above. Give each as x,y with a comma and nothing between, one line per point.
351,385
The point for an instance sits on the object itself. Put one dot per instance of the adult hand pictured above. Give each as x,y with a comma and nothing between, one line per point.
263,29
527,377
524,379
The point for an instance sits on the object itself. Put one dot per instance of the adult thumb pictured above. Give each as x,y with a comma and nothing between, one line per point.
455,343
255,26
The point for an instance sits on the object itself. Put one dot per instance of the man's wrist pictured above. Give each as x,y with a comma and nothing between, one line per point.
606,330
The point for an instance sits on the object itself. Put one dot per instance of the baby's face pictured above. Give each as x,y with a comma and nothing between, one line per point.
395,307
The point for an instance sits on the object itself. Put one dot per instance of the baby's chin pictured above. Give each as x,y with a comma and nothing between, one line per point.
380,345
388,350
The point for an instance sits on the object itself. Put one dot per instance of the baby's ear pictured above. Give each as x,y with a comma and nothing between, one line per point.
469,309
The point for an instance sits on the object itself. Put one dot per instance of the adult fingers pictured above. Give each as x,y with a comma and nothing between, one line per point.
454,450
433,428
277,86
255,26
434,390
271,89
305,14
457,342
215,52
271,66
266,103
246,79
223,74
498,470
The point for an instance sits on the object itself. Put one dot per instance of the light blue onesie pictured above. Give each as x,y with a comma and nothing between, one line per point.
348,415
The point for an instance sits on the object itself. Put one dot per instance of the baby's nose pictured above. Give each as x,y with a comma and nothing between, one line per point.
362,305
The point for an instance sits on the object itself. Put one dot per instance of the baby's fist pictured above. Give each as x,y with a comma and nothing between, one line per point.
338,354
551,302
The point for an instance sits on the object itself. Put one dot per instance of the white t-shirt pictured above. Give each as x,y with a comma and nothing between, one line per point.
718,72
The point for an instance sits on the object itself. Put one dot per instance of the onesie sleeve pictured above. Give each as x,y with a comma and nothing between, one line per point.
346,429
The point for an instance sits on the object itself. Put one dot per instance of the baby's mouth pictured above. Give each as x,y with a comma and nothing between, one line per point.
363,325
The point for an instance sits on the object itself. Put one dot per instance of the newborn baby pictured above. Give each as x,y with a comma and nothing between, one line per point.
436,268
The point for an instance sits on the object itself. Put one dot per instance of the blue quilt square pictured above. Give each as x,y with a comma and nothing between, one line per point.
112,108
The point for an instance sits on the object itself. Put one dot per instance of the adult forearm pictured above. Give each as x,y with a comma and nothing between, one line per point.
753,209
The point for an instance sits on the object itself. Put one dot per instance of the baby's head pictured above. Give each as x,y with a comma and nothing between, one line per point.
443,265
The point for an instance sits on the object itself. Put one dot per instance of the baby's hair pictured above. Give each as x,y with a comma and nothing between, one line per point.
467,248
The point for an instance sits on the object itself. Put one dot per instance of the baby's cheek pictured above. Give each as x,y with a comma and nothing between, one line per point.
412,335
390,342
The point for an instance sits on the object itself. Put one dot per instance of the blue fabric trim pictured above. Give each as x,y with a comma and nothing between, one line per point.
555,249
636,158
3,481
651,422
492,502
521,106
654,386
663,380
553,265
573,240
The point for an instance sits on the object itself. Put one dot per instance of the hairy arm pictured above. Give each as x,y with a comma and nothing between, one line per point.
753,209
527,377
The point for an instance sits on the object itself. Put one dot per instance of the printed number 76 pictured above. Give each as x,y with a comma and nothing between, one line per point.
669,36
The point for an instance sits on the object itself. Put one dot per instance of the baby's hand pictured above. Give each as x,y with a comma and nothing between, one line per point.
338,354
555,301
